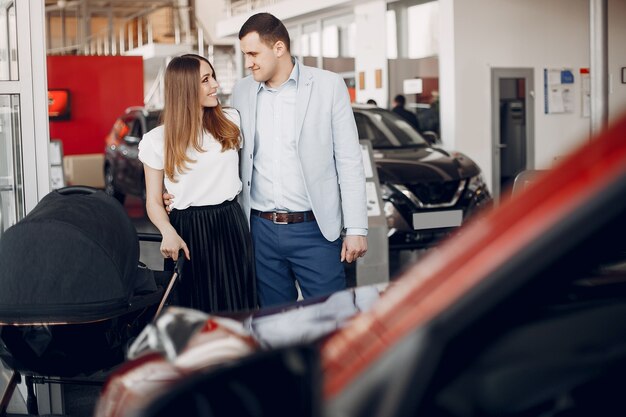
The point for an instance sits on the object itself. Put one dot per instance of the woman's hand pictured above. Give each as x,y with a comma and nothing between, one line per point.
172,244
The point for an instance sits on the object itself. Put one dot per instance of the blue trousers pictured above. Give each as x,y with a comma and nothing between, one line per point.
285,253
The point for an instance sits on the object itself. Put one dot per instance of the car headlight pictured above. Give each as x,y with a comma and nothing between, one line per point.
476,183
386,191
392,196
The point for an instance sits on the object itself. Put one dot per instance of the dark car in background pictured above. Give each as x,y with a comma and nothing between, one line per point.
123,172
427,191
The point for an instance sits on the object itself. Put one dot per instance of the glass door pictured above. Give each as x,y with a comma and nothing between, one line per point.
11,178
11,198
24,172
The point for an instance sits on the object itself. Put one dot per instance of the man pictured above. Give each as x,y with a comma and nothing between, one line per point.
301,168
399,102
301,155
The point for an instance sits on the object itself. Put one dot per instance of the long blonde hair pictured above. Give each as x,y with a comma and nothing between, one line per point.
182,124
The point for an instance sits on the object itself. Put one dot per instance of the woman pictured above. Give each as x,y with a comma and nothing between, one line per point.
195,153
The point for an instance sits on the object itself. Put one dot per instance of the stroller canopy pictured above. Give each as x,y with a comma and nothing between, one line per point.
73,257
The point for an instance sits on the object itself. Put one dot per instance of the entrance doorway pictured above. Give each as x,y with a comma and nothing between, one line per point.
512,115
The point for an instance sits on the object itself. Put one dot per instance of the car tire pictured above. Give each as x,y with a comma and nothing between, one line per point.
109,187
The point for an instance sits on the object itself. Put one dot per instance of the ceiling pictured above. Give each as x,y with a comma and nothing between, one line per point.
115,8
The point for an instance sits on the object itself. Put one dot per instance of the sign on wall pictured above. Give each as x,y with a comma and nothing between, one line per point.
585,92
558,86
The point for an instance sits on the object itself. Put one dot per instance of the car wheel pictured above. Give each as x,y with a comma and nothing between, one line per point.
109,187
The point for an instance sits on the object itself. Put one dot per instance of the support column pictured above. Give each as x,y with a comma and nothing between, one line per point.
598,36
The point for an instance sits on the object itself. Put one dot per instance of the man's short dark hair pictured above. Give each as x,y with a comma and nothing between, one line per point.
269,28
400,99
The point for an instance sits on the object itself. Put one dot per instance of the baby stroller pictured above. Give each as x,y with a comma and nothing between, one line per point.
72,292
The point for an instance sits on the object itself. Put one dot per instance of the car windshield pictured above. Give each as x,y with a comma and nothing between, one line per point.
385,129
153,120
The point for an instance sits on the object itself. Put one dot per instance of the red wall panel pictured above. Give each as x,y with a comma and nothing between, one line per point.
101,88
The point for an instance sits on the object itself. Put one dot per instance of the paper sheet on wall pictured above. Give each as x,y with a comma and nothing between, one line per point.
555,99
558,91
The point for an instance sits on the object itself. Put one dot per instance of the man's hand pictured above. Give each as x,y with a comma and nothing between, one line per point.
354,246
168,199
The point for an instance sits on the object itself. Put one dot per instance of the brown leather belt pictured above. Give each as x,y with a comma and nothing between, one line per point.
285,217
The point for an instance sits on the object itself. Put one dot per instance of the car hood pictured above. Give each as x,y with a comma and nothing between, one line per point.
423,164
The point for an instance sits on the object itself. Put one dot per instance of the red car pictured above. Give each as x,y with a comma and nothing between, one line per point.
522,313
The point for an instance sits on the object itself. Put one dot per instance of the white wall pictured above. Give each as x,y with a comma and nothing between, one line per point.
371,50
534,34
209,13
617,58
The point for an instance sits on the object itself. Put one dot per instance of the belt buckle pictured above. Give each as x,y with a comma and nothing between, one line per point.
274,217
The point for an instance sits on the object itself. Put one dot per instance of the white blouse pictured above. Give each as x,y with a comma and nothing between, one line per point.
211,180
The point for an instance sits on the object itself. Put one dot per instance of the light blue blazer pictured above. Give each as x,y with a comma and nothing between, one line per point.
327,144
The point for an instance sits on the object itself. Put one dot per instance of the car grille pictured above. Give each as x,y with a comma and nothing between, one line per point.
437,194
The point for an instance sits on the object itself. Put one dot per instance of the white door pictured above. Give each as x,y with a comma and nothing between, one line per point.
24,167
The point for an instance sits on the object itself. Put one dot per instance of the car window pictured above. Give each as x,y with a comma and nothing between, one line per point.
400,129
152,121
135,129
367,130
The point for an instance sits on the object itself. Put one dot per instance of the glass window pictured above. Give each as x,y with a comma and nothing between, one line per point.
304,45
423,29
8,42
392,35
339,36
398,128
347,40
310,40
153,121
136,128
294,35
367,130
11,172
331,41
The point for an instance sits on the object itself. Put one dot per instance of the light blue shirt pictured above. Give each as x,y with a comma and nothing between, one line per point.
277,182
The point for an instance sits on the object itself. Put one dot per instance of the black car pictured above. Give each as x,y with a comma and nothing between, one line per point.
427,192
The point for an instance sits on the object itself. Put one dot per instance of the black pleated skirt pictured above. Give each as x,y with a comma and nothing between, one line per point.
220,275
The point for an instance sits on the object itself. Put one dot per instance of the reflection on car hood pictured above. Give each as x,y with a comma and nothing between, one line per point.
423,164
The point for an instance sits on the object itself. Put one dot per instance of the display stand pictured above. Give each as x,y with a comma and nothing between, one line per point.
373,268
57,173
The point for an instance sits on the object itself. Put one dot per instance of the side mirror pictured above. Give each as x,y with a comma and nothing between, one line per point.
131,140
431,137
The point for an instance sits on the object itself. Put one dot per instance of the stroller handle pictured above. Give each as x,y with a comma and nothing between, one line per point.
180,262
178,269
